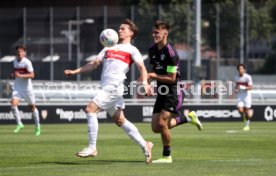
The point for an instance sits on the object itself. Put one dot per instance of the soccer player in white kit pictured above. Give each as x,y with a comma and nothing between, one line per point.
244,85
23,88
116,62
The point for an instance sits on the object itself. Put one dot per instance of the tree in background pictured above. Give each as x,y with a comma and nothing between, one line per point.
269,66
261,16
175,12
257,12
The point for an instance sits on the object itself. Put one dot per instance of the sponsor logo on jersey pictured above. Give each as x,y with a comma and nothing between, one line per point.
119,55
21,70
163,57
242,83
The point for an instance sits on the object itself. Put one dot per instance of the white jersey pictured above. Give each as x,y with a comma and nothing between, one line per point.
242,82
116,62
24,66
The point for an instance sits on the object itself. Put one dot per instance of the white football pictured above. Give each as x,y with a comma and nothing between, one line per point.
109,38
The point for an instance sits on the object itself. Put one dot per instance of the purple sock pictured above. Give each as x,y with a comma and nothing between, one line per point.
166,150
181,120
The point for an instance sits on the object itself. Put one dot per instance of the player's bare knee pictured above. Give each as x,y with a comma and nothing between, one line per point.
14,102
87,109
118,116
161,125
119,122
119,119
90,108
240,110
155,129
162,122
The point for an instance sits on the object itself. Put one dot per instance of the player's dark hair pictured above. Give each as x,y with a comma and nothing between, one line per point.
240,65
161,25
20,47
132,27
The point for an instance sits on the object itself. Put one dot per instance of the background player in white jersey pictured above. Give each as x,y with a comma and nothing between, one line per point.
23,88
116,61
244,86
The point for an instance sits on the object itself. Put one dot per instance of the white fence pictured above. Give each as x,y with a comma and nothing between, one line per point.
206,92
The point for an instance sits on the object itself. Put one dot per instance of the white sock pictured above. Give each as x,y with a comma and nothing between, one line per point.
93,126
247,123
15,113
36,117
133,133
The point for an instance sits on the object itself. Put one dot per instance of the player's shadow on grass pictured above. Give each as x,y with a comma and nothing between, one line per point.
88,162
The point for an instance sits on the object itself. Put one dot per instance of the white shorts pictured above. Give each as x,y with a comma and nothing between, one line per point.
244,101
27,95
110,96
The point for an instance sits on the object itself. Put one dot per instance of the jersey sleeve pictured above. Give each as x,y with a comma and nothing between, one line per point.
172,64
151,60
150,56
136,55
101,55
29,66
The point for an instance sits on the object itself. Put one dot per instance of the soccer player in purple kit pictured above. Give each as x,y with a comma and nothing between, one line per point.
165,70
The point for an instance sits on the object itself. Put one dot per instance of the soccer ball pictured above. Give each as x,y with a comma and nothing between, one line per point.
109,38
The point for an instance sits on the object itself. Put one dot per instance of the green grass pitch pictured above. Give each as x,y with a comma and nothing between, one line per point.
221,149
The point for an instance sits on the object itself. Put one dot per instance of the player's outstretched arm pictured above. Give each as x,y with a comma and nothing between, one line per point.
249,87
144,78
169,78
88,67
30,75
